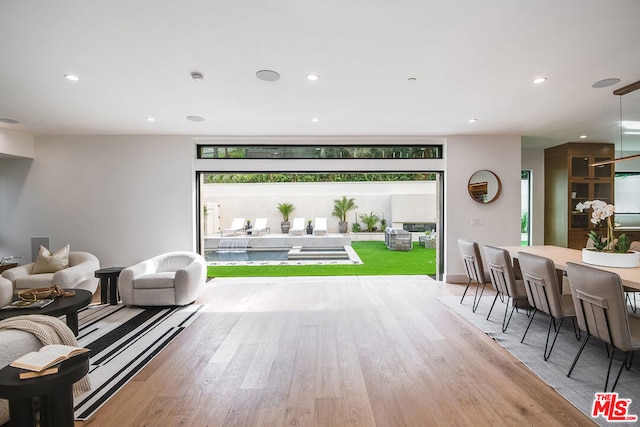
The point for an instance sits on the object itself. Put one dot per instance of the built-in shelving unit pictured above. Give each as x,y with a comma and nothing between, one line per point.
569,180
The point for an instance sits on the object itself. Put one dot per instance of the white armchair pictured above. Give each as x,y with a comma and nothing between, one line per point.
79,275
6,291
174,278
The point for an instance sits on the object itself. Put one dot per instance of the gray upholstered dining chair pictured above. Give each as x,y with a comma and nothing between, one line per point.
544,293
474,269
500,266
601,311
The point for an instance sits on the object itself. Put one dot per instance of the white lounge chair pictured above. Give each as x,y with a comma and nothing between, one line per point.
260,227
237,225
297,228
320,226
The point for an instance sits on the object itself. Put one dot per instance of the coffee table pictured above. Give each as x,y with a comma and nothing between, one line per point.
67,306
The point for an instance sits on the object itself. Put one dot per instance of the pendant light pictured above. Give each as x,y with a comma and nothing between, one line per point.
622,91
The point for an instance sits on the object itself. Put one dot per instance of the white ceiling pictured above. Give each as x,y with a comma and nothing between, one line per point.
470,59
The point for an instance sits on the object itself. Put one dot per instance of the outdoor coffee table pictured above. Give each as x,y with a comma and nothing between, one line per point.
67,306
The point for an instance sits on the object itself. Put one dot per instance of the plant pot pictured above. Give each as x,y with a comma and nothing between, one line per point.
309,229
343,227
285,226
610,259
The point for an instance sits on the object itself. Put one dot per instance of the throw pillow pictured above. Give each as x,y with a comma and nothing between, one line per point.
47,262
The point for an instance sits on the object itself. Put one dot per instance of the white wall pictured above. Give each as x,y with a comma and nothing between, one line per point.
15,144
315,199
500,220
126,198
122,198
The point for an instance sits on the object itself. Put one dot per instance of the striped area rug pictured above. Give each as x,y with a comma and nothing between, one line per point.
123,340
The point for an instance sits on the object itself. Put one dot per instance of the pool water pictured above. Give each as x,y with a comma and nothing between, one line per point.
280,255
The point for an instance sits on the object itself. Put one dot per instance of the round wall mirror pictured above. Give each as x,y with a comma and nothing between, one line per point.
484,186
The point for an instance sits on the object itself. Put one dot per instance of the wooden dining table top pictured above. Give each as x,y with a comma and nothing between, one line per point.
561,256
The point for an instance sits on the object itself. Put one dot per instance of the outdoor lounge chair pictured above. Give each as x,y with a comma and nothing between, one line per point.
320,226
260,227
237,225
298,227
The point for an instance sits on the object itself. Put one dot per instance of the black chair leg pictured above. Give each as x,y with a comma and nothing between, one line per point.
505,321
628,365
634,306
576,331
465,290
575,360
557,330
627,355
530,320
476,297
491,309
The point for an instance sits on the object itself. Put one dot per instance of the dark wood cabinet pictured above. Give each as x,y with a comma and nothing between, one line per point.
569,180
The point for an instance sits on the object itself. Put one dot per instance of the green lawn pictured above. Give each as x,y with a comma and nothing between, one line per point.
376,258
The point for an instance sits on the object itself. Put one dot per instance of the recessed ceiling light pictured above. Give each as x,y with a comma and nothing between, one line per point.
313,77
71,77
539,80
583,136
195,118
473,120
10,121
150,119
605,83
197,76
268,75
411,79
315,120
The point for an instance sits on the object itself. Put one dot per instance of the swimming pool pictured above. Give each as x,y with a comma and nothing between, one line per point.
248,255
283,256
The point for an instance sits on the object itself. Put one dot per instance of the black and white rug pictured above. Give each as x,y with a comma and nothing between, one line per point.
122,341
588,376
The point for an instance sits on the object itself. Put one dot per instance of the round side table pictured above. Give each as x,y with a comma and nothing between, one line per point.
55,392
109,281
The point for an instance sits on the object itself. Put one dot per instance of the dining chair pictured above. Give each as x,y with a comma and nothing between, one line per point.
507,287
474,269
544,293
601,311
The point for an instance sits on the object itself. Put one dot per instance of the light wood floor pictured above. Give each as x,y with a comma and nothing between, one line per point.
354,351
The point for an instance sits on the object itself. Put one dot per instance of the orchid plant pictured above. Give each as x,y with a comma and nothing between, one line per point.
604,212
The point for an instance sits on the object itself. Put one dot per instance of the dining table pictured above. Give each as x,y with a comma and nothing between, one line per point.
561,256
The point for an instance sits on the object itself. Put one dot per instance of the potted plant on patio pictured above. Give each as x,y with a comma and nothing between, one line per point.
285,209
370,220
340,209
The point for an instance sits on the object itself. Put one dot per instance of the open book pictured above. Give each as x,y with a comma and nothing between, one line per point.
29,304
46,357
33,374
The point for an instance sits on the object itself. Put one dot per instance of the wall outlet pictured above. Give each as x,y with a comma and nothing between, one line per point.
477,221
